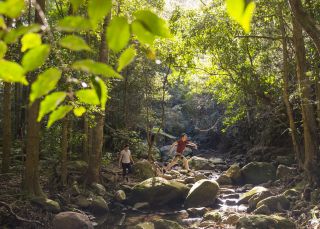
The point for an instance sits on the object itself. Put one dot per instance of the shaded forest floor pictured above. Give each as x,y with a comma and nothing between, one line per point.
231,203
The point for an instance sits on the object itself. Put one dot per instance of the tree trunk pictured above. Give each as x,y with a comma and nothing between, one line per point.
31,179
85,143
308,113
93,172
6,128
285,78
64,150
306,21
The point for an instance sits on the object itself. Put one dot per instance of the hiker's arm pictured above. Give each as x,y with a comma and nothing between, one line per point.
173,145
120,159
131,159
193,145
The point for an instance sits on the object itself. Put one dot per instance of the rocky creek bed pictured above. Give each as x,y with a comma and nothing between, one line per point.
217,193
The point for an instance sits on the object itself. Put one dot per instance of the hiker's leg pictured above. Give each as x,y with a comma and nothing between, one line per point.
124,170
173,162
185,163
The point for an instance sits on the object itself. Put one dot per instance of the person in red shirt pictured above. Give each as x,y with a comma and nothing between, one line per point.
181,144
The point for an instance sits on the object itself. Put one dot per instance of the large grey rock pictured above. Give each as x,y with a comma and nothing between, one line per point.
275,203
120,195
143,169
262,210
158,191
264,222
71,220
285,172
99,189
99,205
223,179
203,193
47,204
82,201
258,173
166,224
256,198
200,163
234,172
244,198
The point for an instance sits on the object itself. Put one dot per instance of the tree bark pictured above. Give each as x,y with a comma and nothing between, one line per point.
31,178
286,92
6,128
306,21
93,172
64,150
308,113
85,144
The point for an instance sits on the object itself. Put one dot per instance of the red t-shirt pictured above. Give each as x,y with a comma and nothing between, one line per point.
181,146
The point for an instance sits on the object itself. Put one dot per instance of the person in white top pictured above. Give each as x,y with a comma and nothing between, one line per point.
125,161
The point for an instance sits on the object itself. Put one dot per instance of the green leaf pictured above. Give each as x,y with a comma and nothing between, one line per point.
126,58
3,49
76,4
88,96
143,35
101,90
58,114
35,57
98,9
247,16
74,24
50,103
45,83
30,40
79,111
12,72
12,8
97,68
74,43
13,35
118,33
153,23
2,23
240,12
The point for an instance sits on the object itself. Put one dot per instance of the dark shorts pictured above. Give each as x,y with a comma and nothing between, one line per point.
126,168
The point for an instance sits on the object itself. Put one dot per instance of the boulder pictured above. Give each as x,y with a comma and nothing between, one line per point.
99,205
275,203
99,189
244,198
232,219
82,201
145,225
203,193
196,212
166,224
200,163
256,198
258,173
214,216
264,222
234,173
291,193
143,169
71,220
158,191
262,210
200,176
285,172
223,179
190,180
120,196
47,204
217,160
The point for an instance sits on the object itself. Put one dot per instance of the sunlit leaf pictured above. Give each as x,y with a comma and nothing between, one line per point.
74,24
12,72
76,4
74,43
30,40
44,83
126,58
247,16
79,111
88,96
241,12
12,8
143,35
58,114
3,49
101,91
2,23
98,9
118,33
97,68
50,103
35,57
153,23
13,35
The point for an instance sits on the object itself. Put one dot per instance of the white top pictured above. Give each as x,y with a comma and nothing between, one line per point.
125,156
